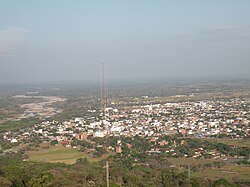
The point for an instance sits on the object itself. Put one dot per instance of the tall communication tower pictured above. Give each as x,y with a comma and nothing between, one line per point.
104,101
104,87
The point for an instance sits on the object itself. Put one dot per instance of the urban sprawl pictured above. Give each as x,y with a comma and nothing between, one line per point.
197,119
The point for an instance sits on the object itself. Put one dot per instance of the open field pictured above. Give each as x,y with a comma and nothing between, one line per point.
42,108
231,172
60,154
20,107
234,142
191,161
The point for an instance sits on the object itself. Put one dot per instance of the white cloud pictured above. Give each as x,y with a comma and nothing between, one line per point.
221,29
9,39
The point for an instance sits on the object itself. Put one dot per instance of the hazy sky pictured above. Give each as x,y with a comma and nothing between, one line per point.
59,40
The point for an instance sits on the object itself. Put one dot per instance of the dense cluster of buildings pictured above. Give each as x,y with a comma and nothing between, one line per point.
196,119
230,118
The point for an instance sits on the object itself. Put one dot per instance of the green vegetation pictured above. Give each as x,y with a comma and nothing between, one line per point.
54,165
56,154
227,147
213,169
233,142
75,107
133,168
17,125
16,173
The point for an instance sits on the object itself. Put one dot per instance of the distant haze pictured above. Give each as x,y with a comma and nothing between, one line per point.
57,41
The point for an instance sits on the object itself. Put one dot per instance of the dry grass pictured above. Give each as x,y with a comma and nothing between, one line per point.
191,161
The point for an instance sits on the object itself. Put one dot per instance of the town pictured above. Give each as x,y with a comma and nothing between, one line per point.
216,118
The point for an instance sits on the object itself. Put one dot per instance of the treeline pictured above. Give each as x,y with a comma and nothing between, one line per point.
221,147
17,125
16,173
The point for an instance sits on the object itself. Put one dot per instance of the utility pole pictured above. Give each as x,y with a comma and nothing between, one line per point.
104,100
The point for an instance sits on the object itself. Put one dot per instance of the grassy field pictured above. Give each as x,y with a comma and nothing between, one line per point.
191,161
215,174
229,171
60,154
235,142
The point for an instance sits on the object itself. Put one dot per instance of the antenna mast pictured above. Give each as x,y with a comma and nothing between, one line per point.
104,100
